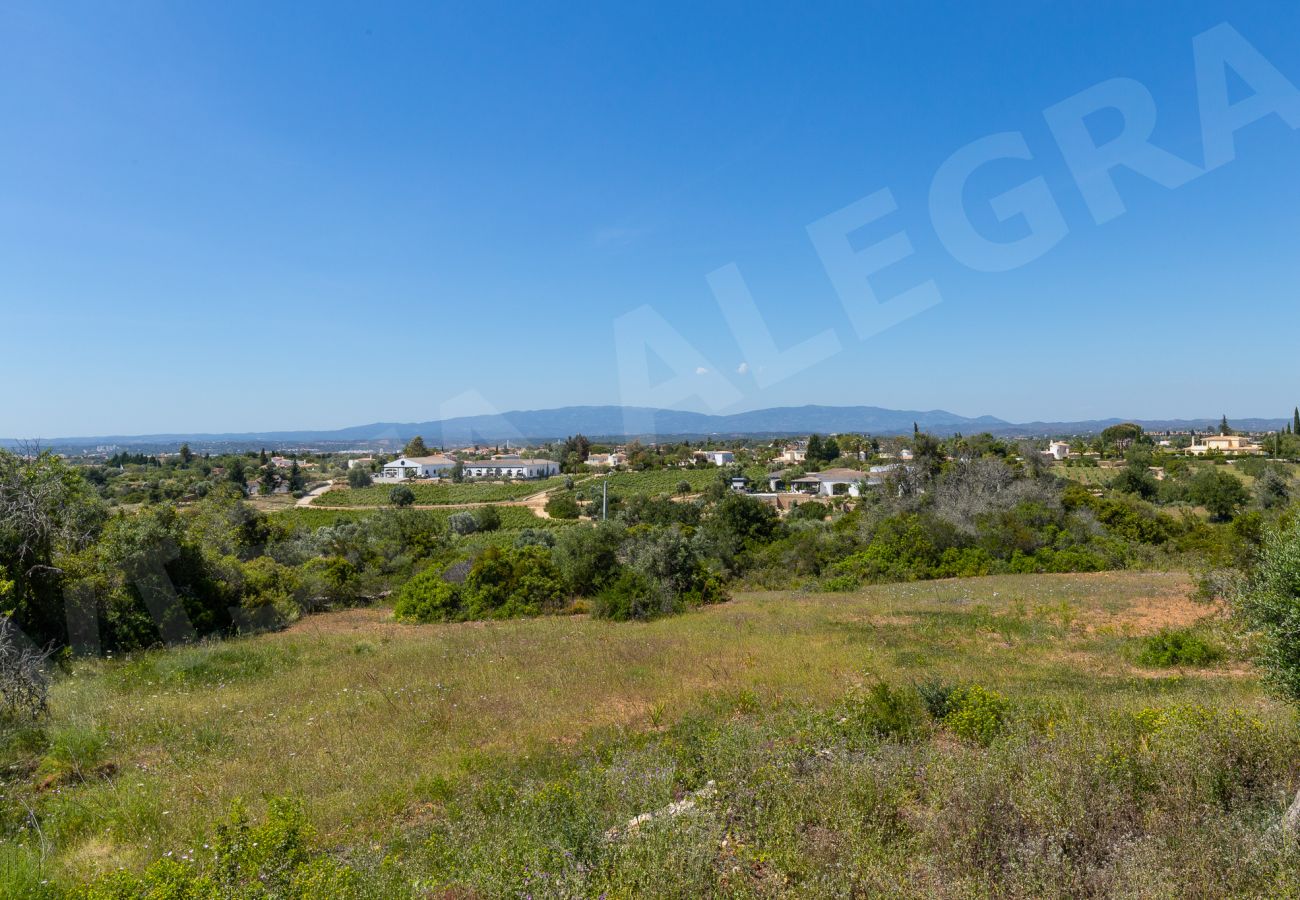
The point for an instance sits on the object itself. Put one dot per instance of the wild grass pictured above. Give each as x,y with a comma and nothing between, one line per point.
496,756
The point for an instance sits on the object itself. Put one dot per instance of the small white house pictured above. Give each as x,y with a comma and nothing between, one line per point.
1058,450
360,461
418,467
510,468
717,457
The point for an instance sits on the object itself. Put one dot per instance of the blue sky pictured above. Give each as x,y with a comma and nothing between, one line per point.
219,217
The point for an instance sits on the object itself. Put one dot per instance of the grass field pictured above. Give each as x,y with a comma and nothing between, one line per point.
484,754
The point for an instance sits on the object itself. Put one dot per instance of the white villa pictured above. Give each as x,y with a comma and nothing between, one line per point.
510,467
606,460
717,457
1058,450
831,483
1227,444
793,455
418,467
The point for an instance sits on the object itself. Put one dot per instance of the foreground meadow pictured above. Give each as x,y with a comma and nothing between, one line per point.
979,737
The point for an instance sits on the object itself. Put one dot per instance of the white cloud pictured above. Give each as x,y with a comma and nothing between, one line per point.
701,371
743,368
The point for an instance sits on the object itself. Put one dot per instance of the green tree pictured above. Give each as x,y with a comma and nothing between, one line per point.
1268,599
815,449
296,480
416,447
270,479
401,496
487,518
1272,489
1219,492
830,450
562,506
187,455
1121,437
236,474
1137,479
587,556
1295,421
359,477
1224,427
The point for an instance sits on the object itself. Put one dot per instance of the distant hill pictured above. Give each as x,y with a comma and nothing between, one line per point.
628,422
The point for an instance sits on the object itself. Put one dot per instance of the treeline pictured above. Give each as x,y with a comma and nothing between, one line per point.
74,571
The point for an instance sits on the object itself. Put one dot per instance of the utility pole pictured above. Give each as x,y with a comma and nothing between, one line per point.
604,498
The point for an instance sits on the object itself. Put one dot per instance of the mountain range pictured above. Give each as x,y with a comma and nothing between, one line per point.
523,426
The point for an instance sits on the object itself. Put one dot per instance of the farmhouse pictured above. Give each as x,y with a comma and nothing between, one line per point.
512,467
1227,444
418,466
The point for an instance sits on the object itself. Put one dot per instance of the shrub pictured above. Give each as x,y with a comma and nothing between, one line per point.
976,714
359,477
937,696
428,598
1178,647
587,557
1269,601
487,518
631,596
515,582
562,506
462,523
273,859
401,496
885,712
24,675
810,511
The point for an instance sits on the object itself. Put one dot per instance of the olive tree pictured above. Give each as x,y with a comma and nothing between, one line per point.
1268,599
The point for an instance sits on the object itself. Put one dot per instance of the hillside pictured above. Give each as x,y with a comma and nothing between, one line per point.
504,758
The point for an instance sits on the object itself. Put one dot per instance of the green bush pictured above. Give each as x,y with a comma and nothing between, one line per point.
937,695
562,506
977,714
631,596
514,582
275,859
428,598
885,712
1178,647
487,518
